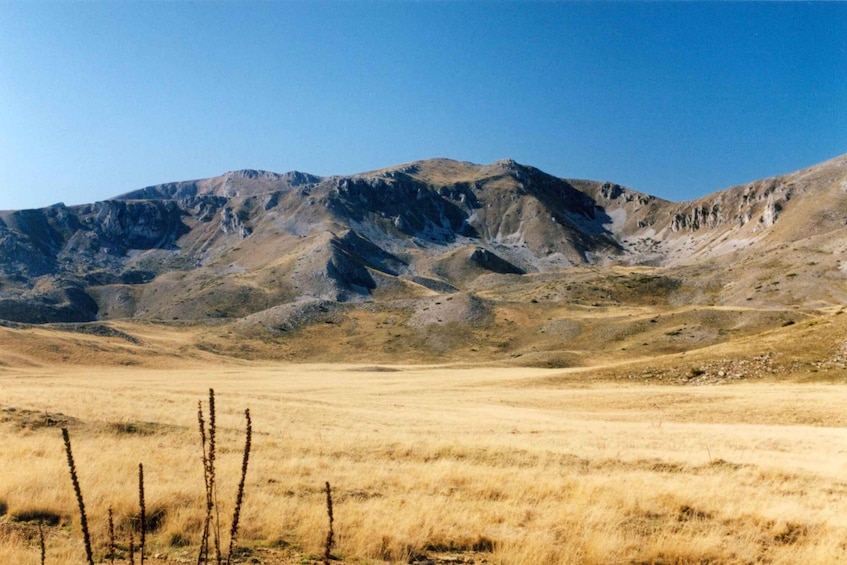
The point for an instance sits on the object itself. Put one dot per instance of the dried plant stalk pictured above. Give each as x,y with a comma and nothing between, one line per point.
211,522
213,489
239,497
78,491
203,556
330,534
143,511
131,548
111,536
41,544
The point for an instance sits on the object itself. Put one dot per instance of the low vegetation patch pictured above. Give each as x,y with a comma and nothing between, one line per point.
41,515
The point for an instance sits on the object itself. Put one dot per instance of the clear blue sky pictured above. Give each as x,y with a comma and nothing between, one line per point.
673,99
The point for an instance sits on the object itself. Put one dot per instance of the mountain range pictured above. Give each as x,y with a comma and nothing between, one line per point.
435,243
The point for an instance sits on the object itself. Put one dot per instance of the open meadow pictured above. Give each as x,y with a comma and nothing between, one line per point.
429,464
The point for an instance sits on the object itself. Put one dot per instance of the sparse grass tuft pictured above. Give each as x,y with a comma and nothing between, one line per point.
40,515
154,518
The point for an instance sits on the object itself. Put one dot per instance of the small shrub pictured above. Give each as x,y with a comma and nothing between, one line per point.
687,513
177,539
40,515
132,428
483,544
154,518
790,533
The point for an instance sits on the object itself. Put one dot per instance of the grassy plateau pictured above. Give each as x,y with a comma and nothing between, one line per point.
428,464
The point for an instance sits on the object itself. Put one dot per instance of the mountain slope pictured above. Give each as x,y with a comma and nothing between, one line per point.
249,241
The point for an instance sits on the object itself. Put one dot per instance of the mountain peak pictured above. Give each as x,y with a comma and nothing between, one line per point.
506,163
251,174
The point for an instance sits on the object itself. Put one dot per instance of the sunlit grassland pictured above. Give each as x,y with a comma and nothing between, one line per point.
513,463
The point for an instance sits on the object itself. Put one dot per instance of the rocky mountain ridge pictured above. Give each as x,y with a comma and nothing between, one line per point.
247,242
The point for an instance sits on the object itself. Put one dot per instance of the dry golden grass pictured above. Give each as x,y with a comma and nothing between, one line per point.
517,465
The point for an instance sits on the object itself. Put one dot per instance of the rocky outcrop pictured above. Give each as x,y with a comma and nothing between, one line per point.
134,225
370,254
412,207
490,261
771,213
762,201
233,223
704,216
